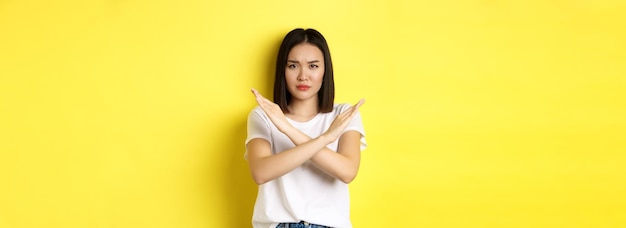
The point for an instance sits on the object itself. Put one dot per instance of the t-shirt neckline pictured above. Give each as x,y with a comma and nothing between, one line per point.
312,120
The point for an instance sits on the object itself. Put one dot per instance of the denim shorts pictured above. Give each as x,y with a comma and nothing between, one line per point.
301,224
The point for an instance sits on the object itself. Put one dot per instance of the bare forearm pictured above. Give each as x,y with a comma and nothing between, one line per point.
267,168
337,165
334,164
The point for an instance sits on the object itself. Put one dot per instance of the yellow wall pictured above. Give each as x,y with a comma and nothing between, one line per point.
479,113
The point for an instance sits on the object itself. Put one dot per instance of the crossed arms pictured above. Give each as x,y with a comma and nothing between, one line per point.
343,164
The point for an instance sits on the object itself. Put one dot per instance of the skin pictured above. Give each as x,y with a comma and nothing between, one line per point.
305,67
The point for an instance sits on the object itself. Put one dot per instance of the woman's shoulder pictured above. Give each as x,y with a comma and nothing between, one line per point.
257,111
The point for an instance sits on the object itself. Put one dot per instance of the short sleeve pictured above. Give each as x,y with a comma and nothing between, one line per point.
258,127
356,124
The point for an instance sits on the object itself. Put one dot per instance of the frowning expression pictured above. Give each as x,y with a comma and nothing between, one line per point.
304,72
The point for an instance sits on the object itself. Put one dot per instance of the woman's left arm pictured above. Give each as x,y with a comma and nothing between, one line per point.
344,164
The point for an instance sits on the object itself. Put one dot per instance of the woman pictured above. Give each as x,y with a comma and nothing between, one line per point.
303,150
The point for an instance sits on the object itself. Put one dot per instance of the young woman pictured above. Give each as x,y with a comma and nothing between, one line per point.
303,150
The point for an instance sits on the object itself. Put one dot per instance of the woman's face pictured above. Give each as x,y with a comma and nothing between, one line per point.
304,71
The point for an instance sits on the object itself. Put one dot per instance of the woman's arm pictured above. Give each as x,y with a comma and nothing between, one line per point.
342,165
266,166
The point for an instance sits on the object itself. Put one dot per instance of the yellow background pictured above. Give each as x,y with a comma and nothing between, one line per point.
479,113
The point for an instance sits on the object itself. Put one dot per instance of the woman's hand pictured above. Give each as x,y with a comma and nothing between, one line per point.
341,121
273,111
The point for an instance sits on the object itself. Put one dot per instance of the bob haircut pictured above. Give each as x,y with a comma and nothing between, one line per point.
326,94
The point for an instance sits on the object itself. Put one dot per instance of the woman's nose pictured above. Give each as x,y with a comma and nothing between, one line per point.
302,76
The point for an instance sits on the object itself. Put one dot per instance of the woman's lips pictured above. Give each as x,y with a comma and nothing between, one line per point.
303,87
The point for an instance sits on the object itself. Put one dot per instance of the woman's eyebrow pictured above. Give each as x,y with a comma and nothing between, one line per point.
296,61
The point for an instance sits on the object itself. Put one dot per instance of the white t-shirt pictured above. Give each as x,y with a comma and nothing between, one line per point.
306,193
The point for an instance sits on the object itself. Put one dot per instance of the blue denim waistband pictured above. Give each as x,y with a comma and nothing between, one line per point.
301,224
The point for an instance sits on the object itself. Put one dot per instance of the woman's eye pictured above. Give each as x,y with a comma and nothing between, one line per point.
314,66
291,66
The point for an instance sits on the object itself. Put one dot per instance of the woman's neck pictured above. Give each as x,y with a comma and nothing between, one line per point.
303,110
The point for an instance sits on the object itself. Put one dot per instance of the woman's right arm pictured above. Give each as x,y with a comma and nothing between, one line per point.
266,166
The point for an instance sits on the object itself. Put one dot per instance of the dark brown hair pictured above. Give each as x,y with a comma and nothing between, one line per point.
326,95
